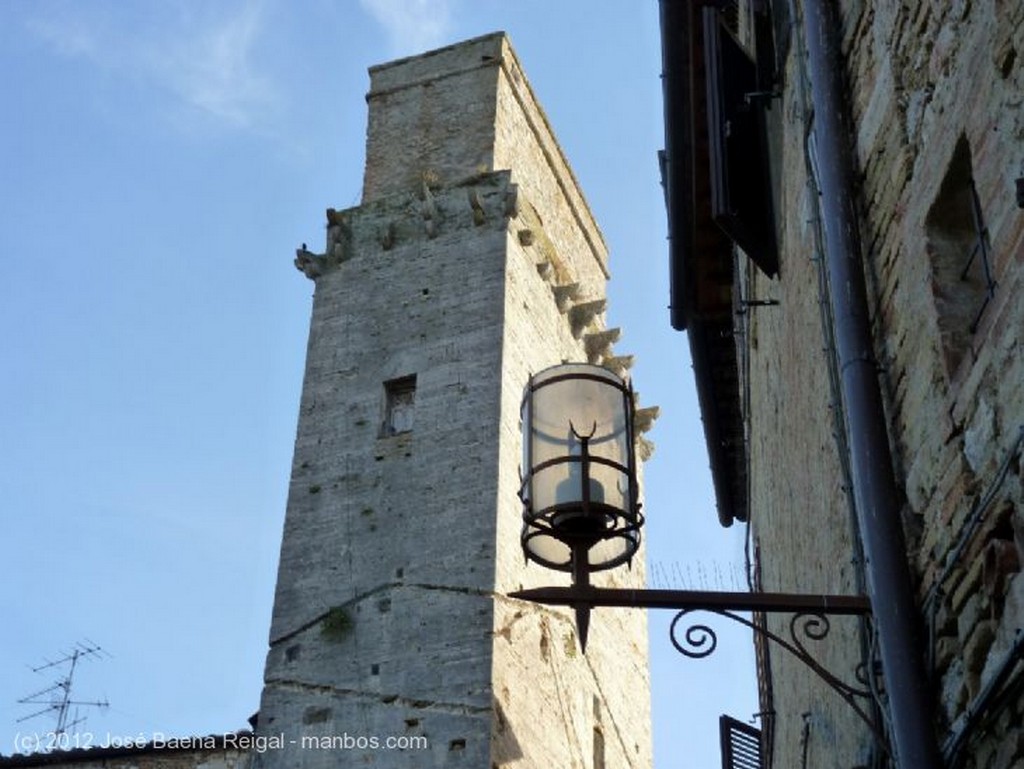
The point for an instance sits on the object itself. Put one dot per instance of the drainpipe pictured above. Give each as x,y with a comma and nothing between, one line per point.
874,484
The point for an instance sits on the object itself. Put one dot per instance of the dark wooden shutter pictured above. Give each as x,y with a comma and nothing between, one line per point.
741,201
741,744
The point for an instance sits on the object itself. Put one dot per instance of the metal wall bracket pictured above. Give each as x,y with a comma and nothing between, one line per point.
809,621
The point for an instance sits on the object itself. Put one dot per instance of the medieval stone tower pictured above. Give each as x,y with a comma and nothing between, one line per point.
472,262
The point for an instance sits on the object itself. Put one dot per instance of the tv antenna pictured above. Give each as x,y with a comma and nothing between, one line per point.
56,699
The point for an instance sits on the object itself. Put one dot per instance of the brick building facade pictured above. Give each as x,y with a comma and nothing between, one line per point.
934,128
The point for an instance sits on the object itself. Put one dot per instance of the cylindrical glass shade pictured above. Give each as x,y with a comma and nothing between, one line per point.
579,486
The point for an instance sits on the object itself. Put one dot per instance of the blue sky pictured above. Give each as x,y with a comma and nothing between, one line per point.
160,163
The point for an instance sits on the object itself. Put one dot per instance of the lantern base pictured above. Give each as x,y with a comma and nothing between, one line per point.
578,525
603,534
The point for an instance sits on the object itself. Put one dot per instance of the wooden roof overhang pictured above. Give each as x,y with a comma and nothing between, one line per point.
701,255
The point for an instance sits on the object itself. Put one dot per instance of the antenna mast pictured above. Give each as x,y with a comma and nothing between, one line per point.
56,699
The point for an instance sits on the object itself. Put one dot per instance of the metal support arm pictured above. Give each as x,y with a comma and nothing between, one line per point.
696,599
809,619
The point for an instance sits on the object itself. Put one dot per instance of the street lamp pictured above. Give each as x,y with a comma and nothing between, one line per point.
581,514
581,508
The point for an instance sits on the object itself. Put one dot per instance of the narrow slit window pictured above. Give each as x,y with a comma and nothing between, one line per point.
399,405
961,263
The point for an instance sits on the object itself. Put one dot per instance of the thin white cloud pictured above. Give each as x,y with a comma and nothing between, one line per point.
212,68
66,36
207,61
412,26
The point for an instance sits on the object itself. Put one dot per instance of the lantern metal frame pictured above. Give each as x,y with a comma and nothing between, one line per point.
582,523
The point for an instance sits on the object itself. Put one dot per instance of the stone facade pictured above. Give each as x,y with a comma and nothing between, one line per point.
936,93
472,262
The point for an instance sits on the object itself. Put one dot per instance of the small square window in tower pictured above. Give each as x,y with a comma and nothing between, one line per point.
399,405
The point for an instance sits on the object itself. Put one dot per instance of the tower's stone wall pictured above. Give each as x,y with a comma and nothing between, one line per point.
395,531
936,95
525,143
438,297
574,706
431,118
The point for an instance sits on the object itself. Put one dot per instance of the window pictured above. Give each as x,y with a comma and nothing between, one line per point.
399,402
958,248
741,199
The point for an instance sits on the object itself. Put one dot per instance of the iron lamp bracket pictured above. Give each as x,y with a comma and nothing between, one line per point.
809,621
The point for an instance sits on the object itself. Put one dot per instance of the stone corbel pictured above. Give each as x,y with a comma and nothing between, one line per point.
387,236
565,295
599,344
618,364
479,215
644,448
309,264
429,211
512,201
583,314
339,232
530,231
643,419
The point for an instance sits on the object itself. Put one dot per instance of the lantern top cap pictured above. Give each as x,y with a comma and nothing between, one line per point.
577,371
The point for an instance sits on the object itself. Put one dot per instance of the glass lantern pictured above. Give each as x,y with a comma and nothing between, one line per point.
581,510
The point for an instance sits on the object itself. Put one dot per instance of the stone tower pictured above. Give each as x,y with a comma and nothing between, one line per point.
472,262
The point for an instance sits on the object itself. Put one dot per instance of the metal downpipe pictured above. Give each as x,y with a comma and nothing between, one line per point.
888,574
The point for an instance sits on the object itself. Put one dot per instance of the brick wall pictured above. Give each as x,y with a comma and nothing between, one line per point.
934,88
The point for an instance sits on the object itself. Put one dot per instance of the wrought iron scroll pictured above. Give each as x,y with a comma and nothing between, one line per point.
699,640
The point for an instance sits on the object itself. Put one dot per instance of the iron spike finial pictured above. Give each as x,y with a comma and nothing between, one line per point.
582,624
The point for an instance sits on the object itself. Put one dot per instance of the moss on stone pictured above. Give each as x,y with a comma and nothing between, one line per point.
336,624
